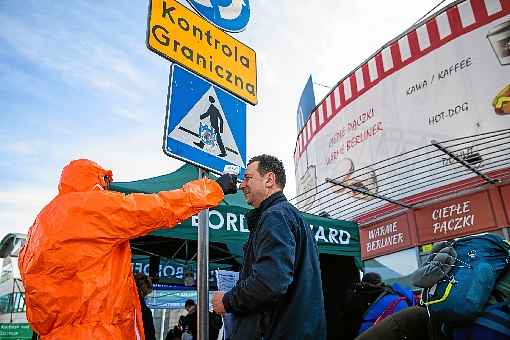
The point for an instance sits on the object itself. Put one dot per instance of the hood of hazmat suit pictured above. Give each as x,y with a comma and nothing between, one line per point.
76,263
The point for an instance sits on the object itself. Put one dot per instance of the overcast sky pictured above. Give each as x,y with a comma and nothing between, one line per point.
77,80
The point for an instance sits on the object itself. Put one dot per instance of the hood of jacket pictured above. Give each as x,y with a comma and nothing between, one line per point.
368,289
83,175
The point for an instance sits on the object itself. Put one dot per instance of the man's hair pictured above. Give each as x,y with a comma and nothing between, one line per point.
268,163
189,303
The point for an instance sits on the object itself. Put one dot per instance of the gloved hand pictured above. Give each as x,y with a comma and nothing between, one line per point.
228,183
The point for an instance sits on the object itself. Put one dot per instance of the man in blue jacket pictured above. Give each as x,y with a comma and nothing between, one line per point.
279,291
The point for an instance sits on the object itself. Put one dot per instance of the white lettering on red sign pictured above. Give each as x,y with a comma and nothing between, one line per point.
452,217
384,236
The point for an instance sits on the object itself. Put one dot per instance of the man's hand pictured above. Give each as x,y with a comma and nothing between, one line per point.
228,183
217,303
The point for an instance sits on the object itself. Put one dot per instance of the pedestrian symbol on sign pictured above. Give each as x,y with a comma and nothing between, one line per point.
204,121
208,135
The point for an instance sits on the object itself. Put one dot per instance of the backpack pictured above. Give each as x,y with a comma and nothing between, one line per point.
462,294
496,315
391,300
390,309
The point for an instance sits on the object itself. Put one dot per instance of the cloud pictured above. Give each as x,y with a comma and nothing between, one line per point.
19,147
82,59
18,208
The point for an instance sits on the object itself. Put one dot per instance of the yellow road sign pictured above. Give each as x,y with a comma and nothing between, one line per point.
179,35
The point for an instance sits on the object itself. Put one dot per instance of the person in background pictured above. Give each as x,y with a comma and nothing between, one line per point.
372,300
215,324
190,321
174,334
144,287
358,300
279,291
76,263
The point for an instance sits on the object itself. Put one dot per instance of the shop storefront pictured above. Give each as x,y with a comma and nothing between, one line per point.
396,245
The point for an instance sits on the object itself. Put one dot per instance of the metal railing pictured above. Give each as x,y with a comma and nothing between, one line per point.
412,178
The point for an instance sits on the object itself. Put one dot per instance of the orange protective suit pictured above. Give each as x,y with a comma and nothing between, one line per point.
76,264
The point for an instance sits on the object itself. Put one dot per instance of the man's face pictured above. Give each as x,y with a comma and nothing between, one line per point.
254,186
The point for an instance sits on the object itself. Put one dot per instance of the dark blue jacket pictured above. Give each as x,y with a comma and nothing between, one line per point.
279,292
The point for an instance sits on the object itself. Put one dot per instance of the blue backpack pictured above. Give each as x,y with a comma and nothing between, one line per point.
494,321
391,300
463,293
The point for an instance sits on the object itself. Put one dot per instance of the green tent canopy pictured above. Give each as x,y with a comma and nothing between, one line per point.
227,223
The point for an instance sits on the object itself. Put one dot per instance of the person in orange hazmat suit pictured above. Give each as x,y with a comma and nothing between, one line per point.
76,263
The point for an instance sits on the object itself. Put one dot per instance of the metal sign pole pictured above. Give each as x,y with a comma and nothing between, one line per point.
203,270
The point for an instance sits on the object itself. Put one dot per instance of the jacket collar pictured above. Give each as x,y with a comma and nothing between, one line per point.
253,216
276,197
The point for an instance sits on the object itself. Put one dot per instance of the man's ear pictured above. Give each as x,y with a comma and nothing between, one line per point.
270,180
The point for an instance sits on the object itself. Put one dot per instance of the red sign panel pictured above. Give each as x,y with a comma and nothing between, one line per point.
505,193
385,237
457,217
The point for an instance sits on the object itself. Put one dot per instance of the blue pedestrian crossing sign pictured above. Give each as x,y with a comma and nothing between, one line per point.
204,125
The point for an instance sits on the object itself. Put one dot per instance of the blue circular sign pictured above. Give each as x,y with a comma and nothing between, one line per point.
229,15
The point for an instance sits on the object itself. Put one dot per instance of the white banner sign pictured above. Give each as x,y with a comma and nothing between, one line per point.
446,79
